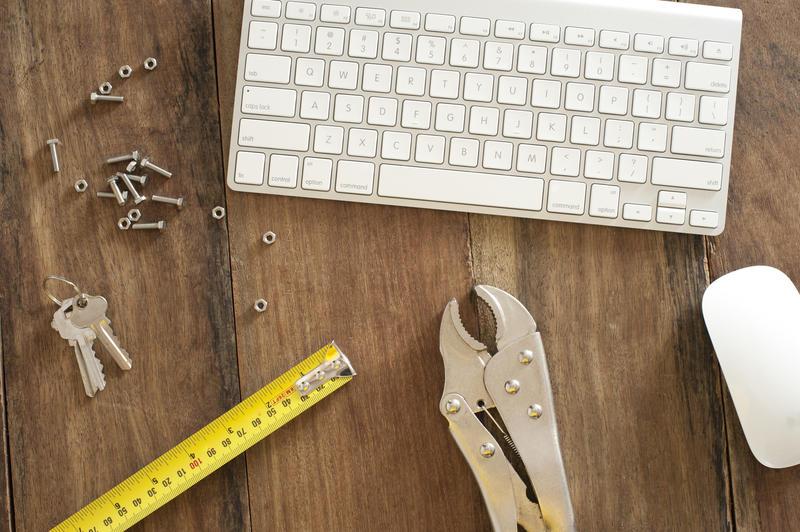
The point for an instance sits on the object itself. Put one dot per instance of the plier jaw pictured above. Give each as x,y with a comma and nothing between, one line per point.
516,382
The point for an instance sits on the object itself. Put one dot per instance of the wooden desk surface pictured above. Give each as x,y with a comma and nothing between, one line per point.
649,435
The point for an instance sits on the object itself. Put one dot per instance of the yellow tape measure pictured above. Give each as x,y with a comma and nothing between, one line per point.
216,444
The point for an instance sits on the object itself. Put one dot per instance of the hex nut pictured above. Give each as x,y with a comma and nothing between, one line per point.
260,305
134,215
105,88
124,224
269,238
150,63
218,212
125,71
81,185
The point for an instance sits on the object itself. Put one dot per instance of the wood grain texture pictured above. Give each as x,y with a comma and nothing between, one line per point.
377,455
169,293
763,217
6,515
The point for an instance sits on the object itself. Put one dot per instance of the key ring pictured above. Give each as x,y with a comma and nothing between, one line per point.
58,278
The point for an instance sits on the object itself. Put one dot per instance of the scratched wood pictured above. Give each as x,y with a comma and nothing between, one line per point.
377,455
762,219
169,293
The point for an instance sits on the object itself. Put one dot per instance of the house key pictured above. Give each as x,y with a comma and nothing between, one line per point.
81,339
90,311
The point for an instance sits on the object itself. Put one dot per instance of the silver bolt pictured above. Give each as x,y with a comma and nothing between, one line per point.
218,212
124,224
94,98
512,386
122,158
137,198
131,166
260,305
104,194
526,356
178,202
145,163
452,406
487,450
269,238
112,182
155,225
141,179
535,411
81,185
54,154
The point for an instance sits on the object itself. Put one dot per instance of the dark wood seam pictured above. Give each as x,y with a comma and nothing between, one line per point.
8,487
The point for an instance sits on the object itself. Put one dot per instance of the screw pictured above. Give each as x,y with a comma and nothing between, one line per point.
131,166
137,198
512,386
452,406
145,163
150,63
81,185
269,238
178,202
141,179
155,225
260,305
94,97
124,224
535,411
112,182
54,154
487,450
218,212
122,158
526,356
104,194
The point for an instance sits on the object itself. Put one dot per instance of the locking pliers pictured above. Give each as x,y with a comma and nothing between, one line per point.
516,383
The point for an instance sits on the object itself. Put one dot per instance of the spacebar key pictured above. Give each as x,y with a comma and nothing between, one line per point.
456,186
273,134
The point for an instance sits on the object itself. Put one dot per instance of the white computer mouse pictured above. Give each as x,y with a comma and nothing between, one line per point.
753,318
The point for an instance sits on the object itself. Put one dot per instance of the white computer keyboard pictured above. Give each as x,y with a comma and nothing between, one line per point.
597,111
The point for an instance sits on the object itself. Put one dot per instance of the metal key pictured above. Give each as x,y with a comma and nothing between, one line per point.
81,339
90,311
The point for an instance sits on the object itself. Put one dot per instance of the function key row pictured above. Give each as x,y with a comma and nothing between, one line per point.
503,29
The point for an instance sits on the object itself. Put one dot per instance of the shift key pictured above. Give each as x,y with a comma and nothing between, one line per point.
273,135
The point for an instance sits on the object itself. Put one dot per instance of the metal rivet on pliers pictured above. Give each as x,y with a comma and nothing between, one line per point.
452,406
535,411
526,356
487,450
512,386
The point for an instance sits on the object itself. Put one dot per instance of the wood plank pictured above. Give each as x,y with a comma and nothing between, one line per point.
762,211
635,385
377,455
6,514
169,294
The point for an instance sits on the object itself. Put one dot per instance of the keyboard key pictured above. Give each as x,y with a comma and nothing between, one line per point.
619,134
708,77
309,72
362,142
637,212
348,108
363,43
343,75
670,198
464,152
267,68
440,23
613,100
354,177
316,173
450,117
296,38
683,47
512,90
411,81
633,69
599,65
268,101
687,174
464,53
509,29
330,41
665,215
517,124
274,135
646,103
579,97
698,141
315,105
329,139
382,111
653,44
713,110
283,170
531,158
579,36
266,8
367,16
722,51
599,165
377,78
545,33
475,26
430,149
616,40
396,145
565,161
680,106
335,13
604,201
566,197
709,219
551,127
404,20
532,59
397,47
445,84
585,130
249,168
484,120
652,137
262,35
666,73
566,63
460,186
497,155
632,168
416,114
478,87
301,10
498,56
431,50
